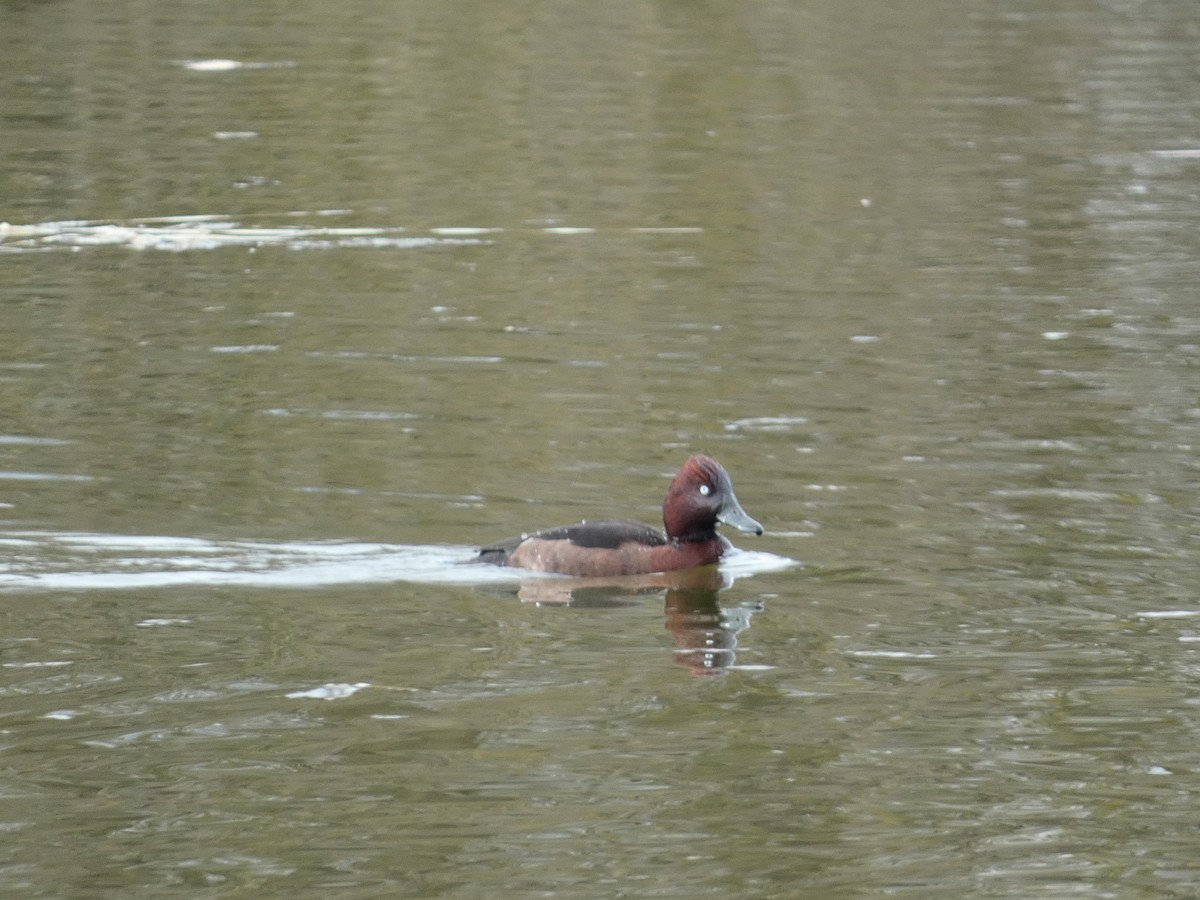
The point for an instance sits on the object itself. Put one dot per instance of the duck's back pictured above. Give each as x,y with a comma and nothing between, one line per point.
603,535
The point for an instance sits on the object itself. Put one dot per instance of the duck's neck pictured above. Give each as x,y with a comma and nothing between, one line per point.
695,537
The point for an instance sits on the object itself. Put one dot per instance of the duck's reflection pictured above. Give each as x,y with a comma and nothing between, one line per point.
706,633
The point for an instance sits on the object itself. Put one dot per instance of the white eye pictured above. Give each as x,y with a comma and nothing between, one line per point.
705,490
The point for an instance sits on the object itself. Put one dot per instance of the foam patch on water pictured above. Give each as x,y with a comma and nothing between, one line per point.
329,691
766,423
741,563
231,65
213,231
893,654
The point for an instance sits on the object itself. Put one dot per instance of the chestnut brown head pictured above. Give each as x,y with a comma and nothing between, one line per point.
701,496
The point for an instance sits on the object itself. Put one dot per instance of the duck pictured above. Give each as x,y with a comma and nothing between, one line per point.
700,497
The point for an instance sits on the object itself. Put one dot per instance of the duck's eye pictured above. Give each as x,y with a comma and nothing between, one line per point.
705,490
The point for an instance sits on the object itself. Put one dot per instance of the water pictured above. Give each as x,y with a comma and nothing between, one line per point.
303,302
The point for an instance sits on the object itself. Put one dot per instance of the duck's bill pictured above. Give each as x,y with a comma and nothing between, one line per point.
734,516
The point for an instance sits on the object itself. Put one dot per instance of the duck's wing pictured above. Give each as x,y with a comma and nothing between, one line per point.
608,535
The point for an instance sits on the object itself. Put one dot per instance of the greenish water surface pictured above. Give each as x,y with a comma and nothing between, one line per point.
302,301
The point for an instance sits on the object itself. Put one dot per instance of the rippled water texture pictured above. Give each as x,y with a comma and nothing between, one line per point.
303,302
